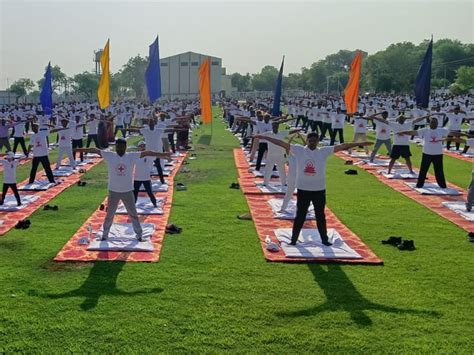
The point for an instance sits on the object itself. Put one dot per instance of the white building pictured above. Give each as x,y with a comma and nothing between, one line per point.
180,76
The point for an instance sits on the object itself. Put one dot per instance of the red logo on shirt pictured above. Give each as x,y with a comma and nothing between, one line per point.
383,131
38,144
433,140
309,168
361,125
121,169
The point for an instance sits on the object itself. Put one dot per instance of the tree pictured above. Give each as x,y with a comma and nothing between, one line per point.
292,81
86,84
266,79
241,82
21,87
60,80
132,75
464,79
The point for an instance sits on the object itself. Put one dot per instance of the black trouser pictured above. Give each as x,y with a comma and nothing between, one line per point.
306,123
300,117
160,170
304,199
334,133
426,161
15,192
326,128
231,121
448,143
147,186
20,141
171,140
77,143
466,147
262,148
90,138
46,166
117,128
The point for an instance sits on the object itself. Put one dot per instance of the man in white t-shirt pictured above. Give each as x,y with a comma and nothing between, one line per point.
142,175
92,124
455,119
382,135
360,130
39,145
120,185
9,177
401,147
433,138
65,142
337,126
311,180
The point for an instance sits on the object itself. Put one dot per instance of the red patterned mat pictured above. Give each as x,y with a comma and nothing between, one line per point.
72,251
458,156
432,202
265,224
10,219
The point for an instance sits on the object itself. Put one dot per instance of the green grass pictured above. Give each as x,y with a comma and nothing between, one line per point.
213,291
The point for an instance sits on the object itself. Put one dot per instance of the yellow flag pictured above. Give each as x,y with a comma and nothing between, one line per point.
103,91
205,91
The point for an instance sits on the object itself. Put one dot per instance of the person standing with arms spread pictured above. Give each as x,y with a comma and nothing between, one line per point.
311,180
120,183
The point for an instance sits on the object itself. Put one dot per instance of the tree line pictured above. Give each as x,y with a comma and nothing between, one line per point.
393,69
390,70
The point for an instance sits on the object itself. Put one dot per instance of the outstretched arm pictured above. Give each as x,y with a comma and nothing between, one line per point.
149,153
275,141
88,150
345,146
408,133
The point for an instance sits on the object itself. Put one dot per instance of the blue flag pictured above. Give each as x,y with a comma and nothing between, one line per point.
277,98
152,73
46,96
423,78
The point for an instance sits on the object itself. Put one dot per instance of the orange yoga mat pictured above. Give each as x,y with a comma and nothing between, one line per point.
10,219
72,251
265,223
432,202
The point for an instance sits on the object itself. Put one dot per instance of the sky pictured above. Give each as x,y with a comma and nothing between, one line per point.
247,35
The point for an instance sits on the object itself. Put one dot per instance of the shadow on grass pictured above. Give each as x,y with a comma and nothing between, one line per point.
102,281
205,139
341,295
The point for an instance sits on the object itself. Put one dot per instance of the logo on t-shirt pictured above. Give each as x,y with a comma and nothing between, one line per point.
309,168
38,144
121,169
383,130
361,125
433,139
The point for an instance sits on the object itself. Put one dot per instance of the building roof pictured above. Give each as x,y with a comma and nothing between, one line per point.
189,52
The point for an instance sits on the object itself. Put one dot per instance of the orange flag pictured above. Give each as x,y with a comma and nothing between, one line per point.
205,91
351,92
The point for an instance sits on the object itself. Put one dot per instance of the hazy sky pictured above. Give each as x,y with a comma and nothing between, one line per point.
247,34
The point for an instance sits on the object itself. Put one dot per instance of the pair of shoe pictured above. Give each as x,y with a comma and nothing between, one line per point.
82,171
173,229
245,217
399,243
468,207
81,183
181,187
102,207
349,162
52,208
23,224
351,172
470,237
234,185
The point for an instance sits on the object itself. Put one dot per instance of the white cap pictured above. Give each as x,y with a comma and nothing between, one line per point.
10,155
141,143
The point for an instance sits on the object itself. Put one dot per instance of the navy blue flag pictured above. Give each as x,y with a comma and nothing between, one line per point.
46,96
277,98
152,73
423,78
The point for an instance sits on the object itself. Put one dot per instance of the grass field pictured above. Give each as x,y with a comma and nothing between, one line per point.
213,291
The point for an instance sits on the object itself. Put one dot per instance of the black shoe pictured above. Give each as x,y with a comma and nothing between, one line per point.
47,208
407,245
349,162
102,207
351,172
470,237
392,241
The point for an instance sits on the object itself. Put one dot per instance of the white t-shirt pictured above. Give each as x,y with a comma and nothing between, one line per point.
153,139
19,130
92,127
76,132
262,127
455,121
9,171
360,125
65,137
398,127
382,131
337,120
273,149
143,167
432,140
120,170
39,144
311,166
